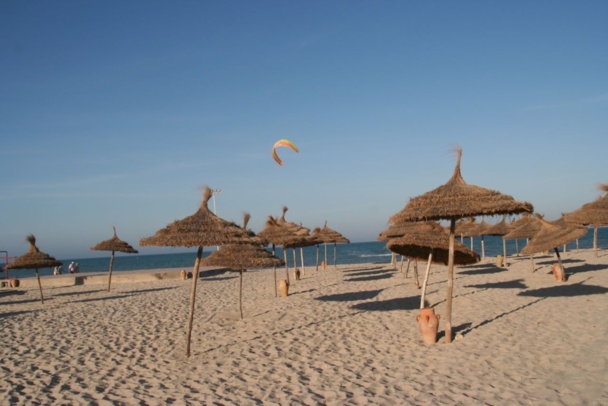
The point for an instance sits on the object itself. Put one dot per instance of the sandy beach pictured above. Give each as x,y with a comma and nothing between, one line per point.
344,336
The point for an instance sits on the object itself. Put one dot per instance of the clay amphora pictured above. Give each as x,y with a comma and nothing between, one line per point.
558,273
499,261
183,275
284,287
428,322
13,283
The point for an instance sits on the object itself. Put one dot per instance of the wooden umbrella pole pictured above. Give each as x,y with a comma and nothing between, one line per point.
483,249
111,267
195,274
317,266
595,240
302,259
407,268
286,264
426,280
294,260
241,292
532,262
416,282
450,289
274,268
401,267
335,249
504,250
39,286
325,263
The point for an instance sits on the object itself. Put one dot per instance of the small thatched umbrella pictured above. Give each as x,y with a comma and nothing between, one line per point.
203,228
113,244
499,230
241,257
281,236
34,259
594,214
526,227
306,240
551,235
428,240
479,231
463,227
326,235
454,200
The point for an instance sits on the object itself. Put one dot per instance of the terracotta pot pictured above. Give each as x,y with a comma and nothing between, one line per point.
13,283
183,275
499,261
428,322
558,273
284,287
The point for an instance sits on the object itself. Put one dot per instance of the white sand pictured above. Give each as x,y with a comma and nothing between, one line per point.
345,336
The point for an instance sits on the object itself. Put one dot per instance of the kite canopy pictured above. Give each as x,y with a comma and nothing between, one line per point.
282,143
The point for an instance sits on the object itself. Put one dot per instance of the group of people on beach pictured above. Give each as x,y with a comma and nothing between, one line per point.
72,268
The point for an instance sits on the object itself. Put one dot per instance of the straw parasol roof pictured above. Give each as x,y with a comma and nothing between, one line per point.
202,228
553,234
498,229
241,257
526,227
113,244
328,235
454,200
34,259
425,238
594,214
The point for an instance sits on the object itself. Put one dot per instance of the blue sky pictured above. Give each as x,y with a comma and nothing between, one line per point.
117,113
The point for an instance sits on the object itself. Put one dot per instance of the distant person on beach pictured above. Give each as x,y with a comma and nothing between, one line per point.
57,270
73,267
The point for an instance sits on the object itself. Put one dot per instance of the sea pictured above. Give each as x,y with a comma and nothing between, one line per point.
352,253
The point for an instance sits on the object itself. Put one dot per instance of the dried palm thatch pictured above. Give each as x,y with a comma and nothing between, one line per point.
34,259
594,214
275,234
306,240
428,240
553,234
498,230
454,200
526,227
241,257
201,229
113,244
327,235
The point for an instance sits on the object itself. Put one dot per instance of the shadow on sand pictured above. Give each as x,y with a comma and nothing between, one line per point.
350,296
406,303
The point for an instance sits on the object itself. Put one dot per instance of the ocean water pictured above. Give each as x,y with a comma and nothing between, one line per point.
353,253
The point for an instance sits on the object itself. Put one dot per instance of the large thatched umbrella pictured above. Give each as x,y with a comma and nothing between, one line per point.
34,259
428,240
241,257
551,235
499,230
113,244
328,235
201,229
594,214
454,200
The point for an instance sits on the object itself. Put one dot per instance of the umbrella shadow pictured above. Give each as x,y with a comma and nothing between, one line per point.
514,284
17,313
585,268
302,292
366,271
486,270
350,296
406,303
576,289
371,276
468,327
564,261
123,295
78,293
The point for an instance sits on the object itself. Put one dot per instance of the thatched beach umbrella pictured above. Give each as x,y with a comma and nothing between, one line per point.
241,257
428,240
463,227
34,259
113,244
454,200
281,236
499,230
201,229
328,235
594,214
306,240
526,227
551,235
